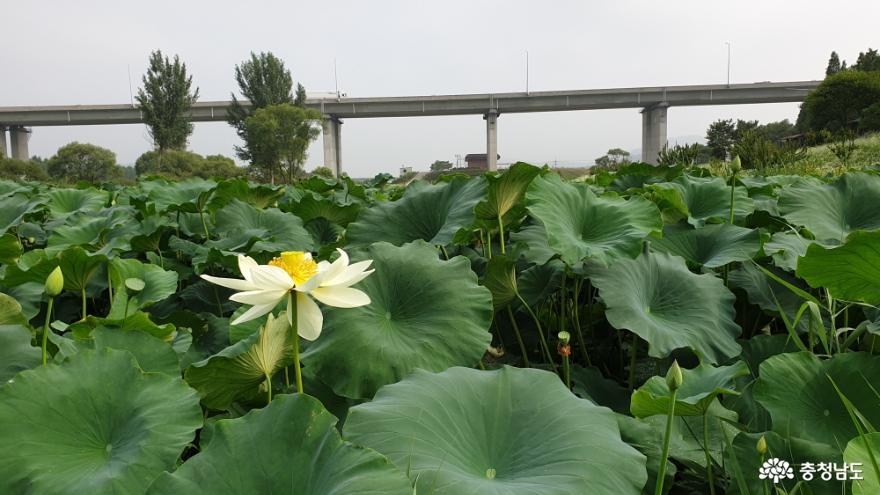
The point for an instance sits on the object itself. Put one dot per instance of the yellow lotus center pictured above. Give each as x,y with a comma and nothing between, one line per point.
299,265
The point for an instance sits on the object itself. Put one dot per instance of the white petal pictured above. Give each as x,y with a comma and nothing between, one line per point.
350,276
270,277
309,319
336,268
245,265
341,297
259,297
232,283
253,313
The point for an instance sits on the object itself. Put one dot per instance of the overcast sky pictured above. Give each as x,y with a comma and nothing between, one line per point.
61,52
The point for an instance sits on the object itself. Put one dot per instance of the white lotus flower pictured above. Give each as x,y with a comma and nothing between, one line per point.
295,274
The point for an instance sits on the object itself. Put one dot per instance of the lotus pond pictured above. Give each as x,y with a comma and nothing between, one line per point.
652,330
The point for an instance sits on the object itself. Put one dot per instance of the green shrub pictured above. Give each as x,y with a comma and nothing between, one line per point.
323,172
26,170
218,166
83,162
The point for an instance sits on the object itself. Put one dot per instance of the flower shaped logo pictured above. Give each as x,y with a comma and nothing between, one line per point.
775,469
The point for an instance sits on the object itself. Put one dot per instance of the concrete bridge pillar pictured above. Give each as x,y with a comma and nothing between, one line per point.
491,118
332,132
3,150
18,138
653,132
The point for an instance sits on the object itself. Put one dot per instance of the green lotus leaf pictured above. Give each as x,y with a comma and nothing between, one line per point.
859,450
589,383
795,451
10,248
657,298
242,367
500,279
850,272
324,232
13,208
797,390
310,208
648,440
833,211
786,248
94,424
259,196
505,192
637,175
581,225
273,230
537,283
700,387
430,212
768,294
78,267
190,195
686,443
707,199
509,431
534,239
158,284
151,353
711,246
425,313
299,451
106,231
65,202
10,311
16,352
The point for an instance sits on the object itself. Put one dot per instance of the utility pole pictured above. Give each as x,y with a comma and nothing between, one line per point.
527,72
728,62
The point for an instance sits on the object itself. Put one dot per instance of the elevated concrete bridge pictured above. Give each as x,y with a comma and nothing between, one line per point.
654,102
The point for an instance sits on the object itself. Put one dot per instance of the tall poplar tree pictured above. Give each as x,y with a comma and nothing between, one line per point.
165,100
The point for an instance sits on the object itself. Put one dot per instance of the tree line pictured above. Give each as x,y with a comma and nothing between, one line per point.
270,118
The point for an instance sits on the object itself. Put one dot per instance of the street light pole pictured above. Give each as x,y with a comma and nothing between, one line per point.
728,62
527,72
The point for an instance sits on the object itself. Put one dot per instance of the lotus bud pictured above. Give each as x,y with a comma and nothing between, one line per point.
31,240
762,445
735,164
564,336
674,377
55,282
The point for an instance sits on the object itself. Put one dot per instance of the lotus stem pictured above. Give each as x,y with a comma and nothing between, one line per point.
291,312
540,333
268,389
501,233
710,475
204,225
519,340
83,294
664,456
576,316
732,197
46,328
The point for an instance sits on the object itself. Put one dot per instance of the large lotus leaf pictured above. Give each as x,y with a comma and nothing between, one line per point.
656,297
430,212
151,353
636,175
534,239
95,424
797,390
589,383
538,282
65,202
850,272
16,352
686,443
500,279
310,208
505,192
648,440
424,313
111,229
158,284
707,199
711,246
243,366
767,293
832,211
298,452
786,248
273,230
10,311
13,208
10,248
78,267
510,431
859,450
257,195
8,188
581,225
699,388
795,451
190,195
